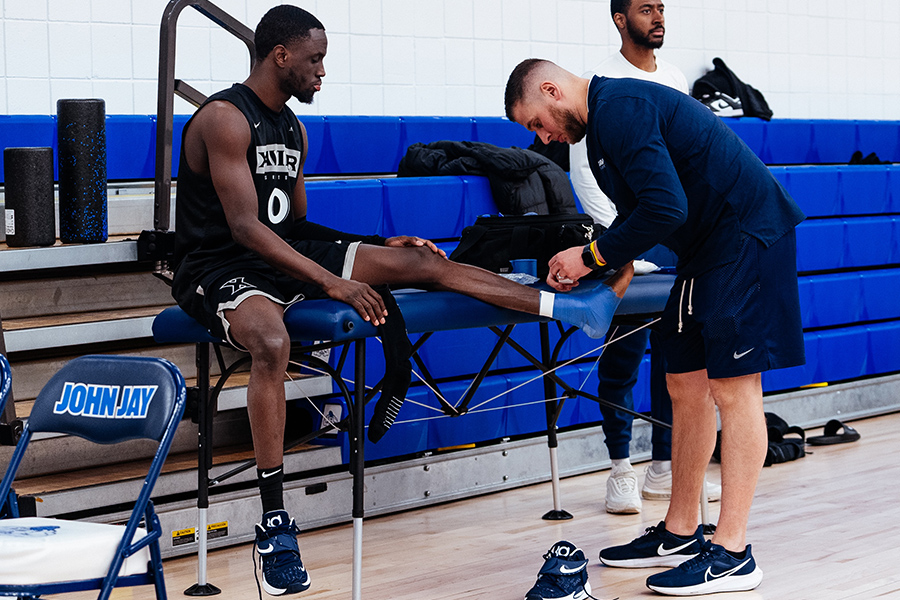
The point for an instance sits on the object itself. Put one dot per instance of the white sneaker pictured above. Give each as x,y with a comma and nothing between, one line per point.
658,486
622,496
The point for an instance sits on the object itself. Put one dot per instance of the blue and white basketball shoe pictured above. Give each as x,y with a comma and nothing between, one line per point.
713,570
563,576
279,556
655,548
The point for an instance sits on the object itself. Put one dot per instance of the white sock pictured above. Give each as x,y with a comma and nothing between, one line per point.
661,466
546,308
619,464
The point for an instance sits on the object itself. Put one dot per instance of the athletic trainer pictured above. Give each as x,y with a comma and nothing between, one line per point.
680,177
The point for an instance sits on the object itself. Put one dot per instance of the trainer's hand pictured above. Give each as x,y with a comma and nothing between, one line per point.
366,301
566,268
409,241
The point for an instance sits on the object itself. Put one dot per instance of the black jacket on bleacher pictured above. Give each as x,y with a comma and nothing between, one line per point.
521,181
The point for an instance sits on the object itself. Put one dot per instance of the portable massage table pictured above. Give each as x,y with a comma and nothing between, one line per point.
424,313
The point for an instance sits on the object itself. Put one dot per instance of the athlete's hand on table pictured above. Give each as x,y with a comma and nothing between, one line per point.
566,268
410,241
366,301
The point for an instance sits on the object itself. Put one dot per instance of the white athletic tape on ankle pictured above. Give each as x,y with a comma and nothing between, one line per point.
546,308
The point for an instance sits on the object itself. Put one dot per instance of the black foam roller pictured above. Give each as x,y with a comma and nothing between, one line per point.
81,128
30,217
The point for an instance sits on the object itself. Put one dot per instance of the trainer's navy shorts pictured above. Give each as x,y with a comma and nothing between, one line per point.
738,318
224,288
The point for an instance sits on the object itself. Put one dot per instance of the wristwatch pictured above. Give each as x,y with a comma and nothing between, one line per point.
590,258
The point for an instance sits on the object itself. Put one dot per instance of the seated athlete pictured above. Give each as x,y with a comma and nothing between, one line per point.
245,251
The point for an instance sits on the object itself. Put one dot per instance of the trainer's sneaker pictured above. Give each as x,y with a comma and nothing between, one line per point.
655,548
714,570
563,576
279,556
622,496
658,486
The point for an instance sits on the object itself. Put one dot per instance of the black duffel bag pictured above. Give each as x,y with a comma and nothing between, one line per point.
493,241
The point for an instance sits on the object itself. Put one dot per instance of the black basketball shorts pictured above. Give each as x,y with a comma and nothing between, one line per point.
224,288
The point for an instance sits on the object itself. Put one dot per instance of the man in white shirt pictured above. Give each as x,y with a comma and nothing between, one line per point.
641,25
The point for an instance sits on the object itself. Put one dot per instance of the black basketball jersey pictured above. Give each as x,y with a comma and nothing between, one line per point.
203,240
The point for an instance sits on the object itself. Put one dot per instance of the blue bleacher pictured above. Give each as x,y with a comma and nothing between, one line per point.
362,144
848,248
827,191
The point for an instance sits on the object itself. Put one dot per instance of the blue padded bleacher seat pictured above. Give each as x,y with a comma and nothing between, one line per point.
354,205
817,141
828,191
826,244
408,199
424,130
131,153
502,132
27,131
788,142
178,123
832,141
315,134
362,145
476,426
408,434
880,137
842,298
479,199
842,354
751,130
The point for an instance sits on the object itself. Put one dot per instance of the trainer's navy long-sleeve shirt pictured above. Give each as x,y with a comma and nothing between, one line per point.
678,176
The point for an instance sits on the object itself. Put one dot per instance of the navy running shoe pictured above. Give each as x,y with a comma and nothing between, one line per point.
563,576
276,543
655,548
713,570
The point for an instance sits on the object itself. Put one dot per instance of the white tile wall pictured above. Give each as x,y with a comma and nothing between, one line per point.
75,10
26,9
70,47
810,58
27,51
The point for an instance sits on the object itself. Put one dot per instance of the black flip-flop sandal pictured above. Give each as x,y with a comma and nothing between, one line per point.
831,436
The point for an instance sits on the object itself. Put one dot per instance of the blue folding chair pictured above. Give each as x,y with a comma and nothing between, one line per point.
105,400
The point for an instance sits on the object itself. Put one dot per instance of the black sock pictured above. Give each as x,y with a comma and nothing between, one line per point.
271,488
397,368
738,555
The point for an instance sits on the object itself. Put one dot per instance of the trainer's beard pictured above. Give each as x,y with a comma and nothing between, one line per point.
574,129
643,39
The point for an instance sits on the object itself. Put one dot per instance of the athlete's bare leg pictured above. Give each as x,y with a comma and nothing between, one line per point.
258,325
421,267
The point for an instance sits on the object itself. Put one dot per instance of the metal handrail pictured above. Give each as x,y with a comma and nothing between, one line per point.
168,86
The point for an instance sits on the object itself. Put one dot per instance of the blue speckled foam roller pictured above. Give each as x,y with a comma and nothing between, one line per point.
81,129
30,214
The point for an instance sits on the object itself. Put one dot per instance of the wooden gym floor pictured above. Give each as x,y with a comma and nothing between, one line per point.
822,528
